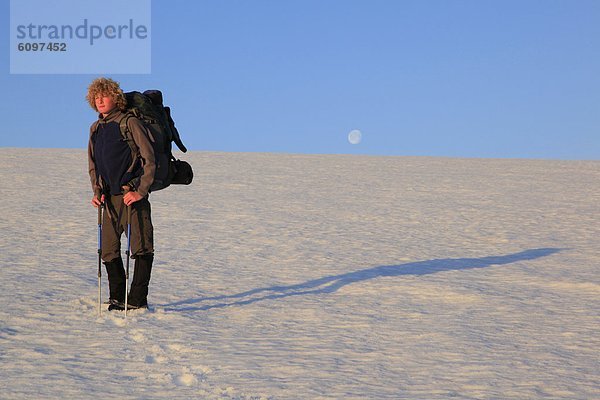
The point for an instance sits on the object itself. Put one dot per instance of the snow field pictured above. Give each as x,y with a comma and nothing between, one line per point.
309,276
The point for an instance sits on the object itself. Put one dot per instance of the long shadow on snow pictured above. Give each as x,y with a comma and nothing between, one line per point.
330,284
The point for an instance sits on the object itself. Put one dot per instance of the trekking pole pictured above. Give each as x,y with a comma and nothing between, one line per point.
100,206
127,253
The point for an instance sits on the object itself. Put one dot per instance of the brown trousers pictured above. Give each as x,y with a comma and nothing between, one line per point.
114,223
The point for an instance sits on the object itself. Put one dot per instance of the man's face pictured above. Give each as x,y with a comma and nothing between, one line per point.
104,104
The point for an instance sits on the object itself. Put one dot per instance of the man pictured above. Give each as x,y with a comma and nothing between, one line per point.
121,178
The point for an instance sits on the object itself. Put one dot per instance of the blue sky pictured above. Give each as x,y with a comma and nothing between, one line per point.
434,78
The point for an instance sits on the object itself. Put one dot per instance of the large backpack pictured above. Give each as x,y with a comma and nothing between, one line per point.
149,109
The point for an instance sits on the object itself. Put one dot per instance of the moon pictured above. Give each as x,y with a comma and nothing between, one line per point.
354,137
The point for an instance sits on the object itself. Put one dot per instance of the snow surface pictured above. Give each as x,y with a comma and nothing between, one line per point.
310,277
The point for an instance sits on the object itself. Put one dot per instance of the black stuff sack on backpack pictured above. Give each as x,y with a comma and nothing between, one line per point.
183,173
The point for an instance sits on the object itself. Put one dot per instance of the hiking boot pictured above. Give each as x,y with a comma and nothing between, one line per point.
116,305
119,306
132,307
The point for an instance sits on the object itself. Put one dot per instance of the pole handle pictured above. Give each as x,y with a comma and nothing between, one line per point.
100,212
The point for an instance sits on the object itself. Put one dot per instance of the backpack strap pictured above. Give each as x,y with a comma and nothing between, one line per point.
126,134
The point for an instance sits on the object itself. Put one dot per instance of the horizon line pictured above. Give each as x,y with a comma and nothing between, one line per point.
177,152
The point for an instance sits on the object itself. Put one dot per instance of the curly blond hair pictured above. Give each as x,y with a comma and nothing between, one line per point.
105,87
